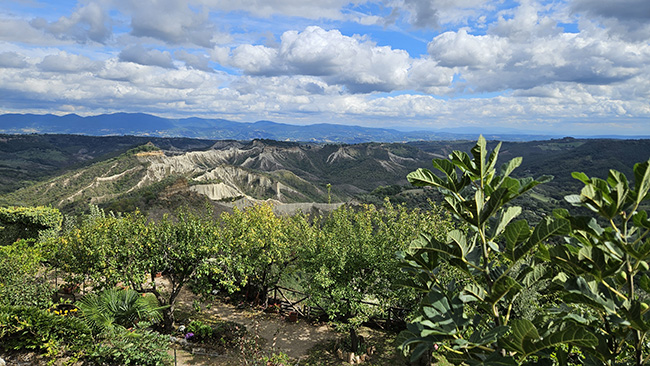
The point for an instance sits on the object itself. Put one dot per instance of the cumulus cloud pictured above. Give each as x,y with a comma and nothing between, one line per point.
628,19
435,13
170,21
88,23
198,62
139,55
358,64
528,50
19,30
315,9
68,63
12,60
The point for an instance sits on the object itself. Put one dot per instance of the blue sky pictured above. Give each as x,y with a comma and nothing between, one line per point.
563,67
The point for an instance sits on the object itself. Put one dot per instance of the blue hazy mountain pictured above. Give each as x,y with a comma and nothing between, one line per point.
139,124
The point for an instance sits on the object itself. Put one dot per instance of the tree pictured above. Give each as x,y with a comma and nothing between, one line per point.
472,320
603,266
106,250
259,246
349,265
28,223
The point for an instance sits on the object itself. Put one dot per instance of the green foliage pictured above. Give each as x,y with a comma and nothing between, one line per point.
473,320
28,223
225,335
107,249
138,348
112,307
348,263
259,245
604,265
30,328
23,278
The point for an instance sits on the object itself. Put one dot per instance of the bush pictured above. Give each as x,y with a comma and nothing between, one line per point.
123,347
223,334
21,278
28,328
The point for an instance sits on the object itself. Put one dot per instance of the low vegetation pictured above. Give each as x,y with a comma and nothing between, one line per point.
474,280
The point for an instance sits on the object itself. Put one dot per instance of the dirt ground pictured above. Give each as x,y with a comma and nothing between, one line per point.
292,338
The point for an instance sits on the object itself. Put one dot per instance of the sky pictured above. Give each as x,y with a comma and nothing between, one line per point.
570,67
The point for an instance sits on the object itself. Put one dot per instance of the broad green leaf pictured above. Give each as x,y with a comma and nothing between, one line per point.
494,359
573,335
515,233
496,200
424,177
522,334
544,230
581,177
640,219
464,162
479,151
504,219
644,283
633,313
510,166
641,180
491,336
458,244
580,292
472,292
503,286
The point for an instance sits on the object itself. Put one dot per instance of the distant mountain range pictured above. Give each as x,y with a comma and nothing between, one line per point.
138,124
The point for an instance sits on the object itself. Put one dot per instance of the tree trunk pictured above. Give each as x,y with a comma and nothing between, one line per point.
168,319
354,339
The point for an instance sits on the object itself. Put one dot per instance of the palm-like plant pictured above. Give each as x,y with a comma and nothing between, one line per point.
115,307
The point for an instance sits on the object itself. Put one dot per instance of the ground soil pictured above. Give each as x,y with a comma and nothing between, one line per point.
277,334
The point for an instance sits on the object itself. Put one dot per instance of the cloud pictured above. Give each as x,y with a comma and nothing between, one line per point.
18,30
528,50
88,23
436,13
171,21
358,64
64,62
198,62
459,49
628,19
12,60
314,9
153,57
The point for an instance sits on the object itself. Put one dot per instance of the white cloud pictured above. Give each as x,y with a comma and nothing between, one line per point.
436,13
19,30
153,57
170,21
12,60
64,62
358,64
195,61
459,49
87,23
628,19
528,51
314,9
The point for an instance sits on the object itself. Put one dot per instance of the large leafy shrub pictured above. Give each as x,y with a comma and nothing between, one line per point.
140,347
23,278
604,266
118,307
472,320
30,328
